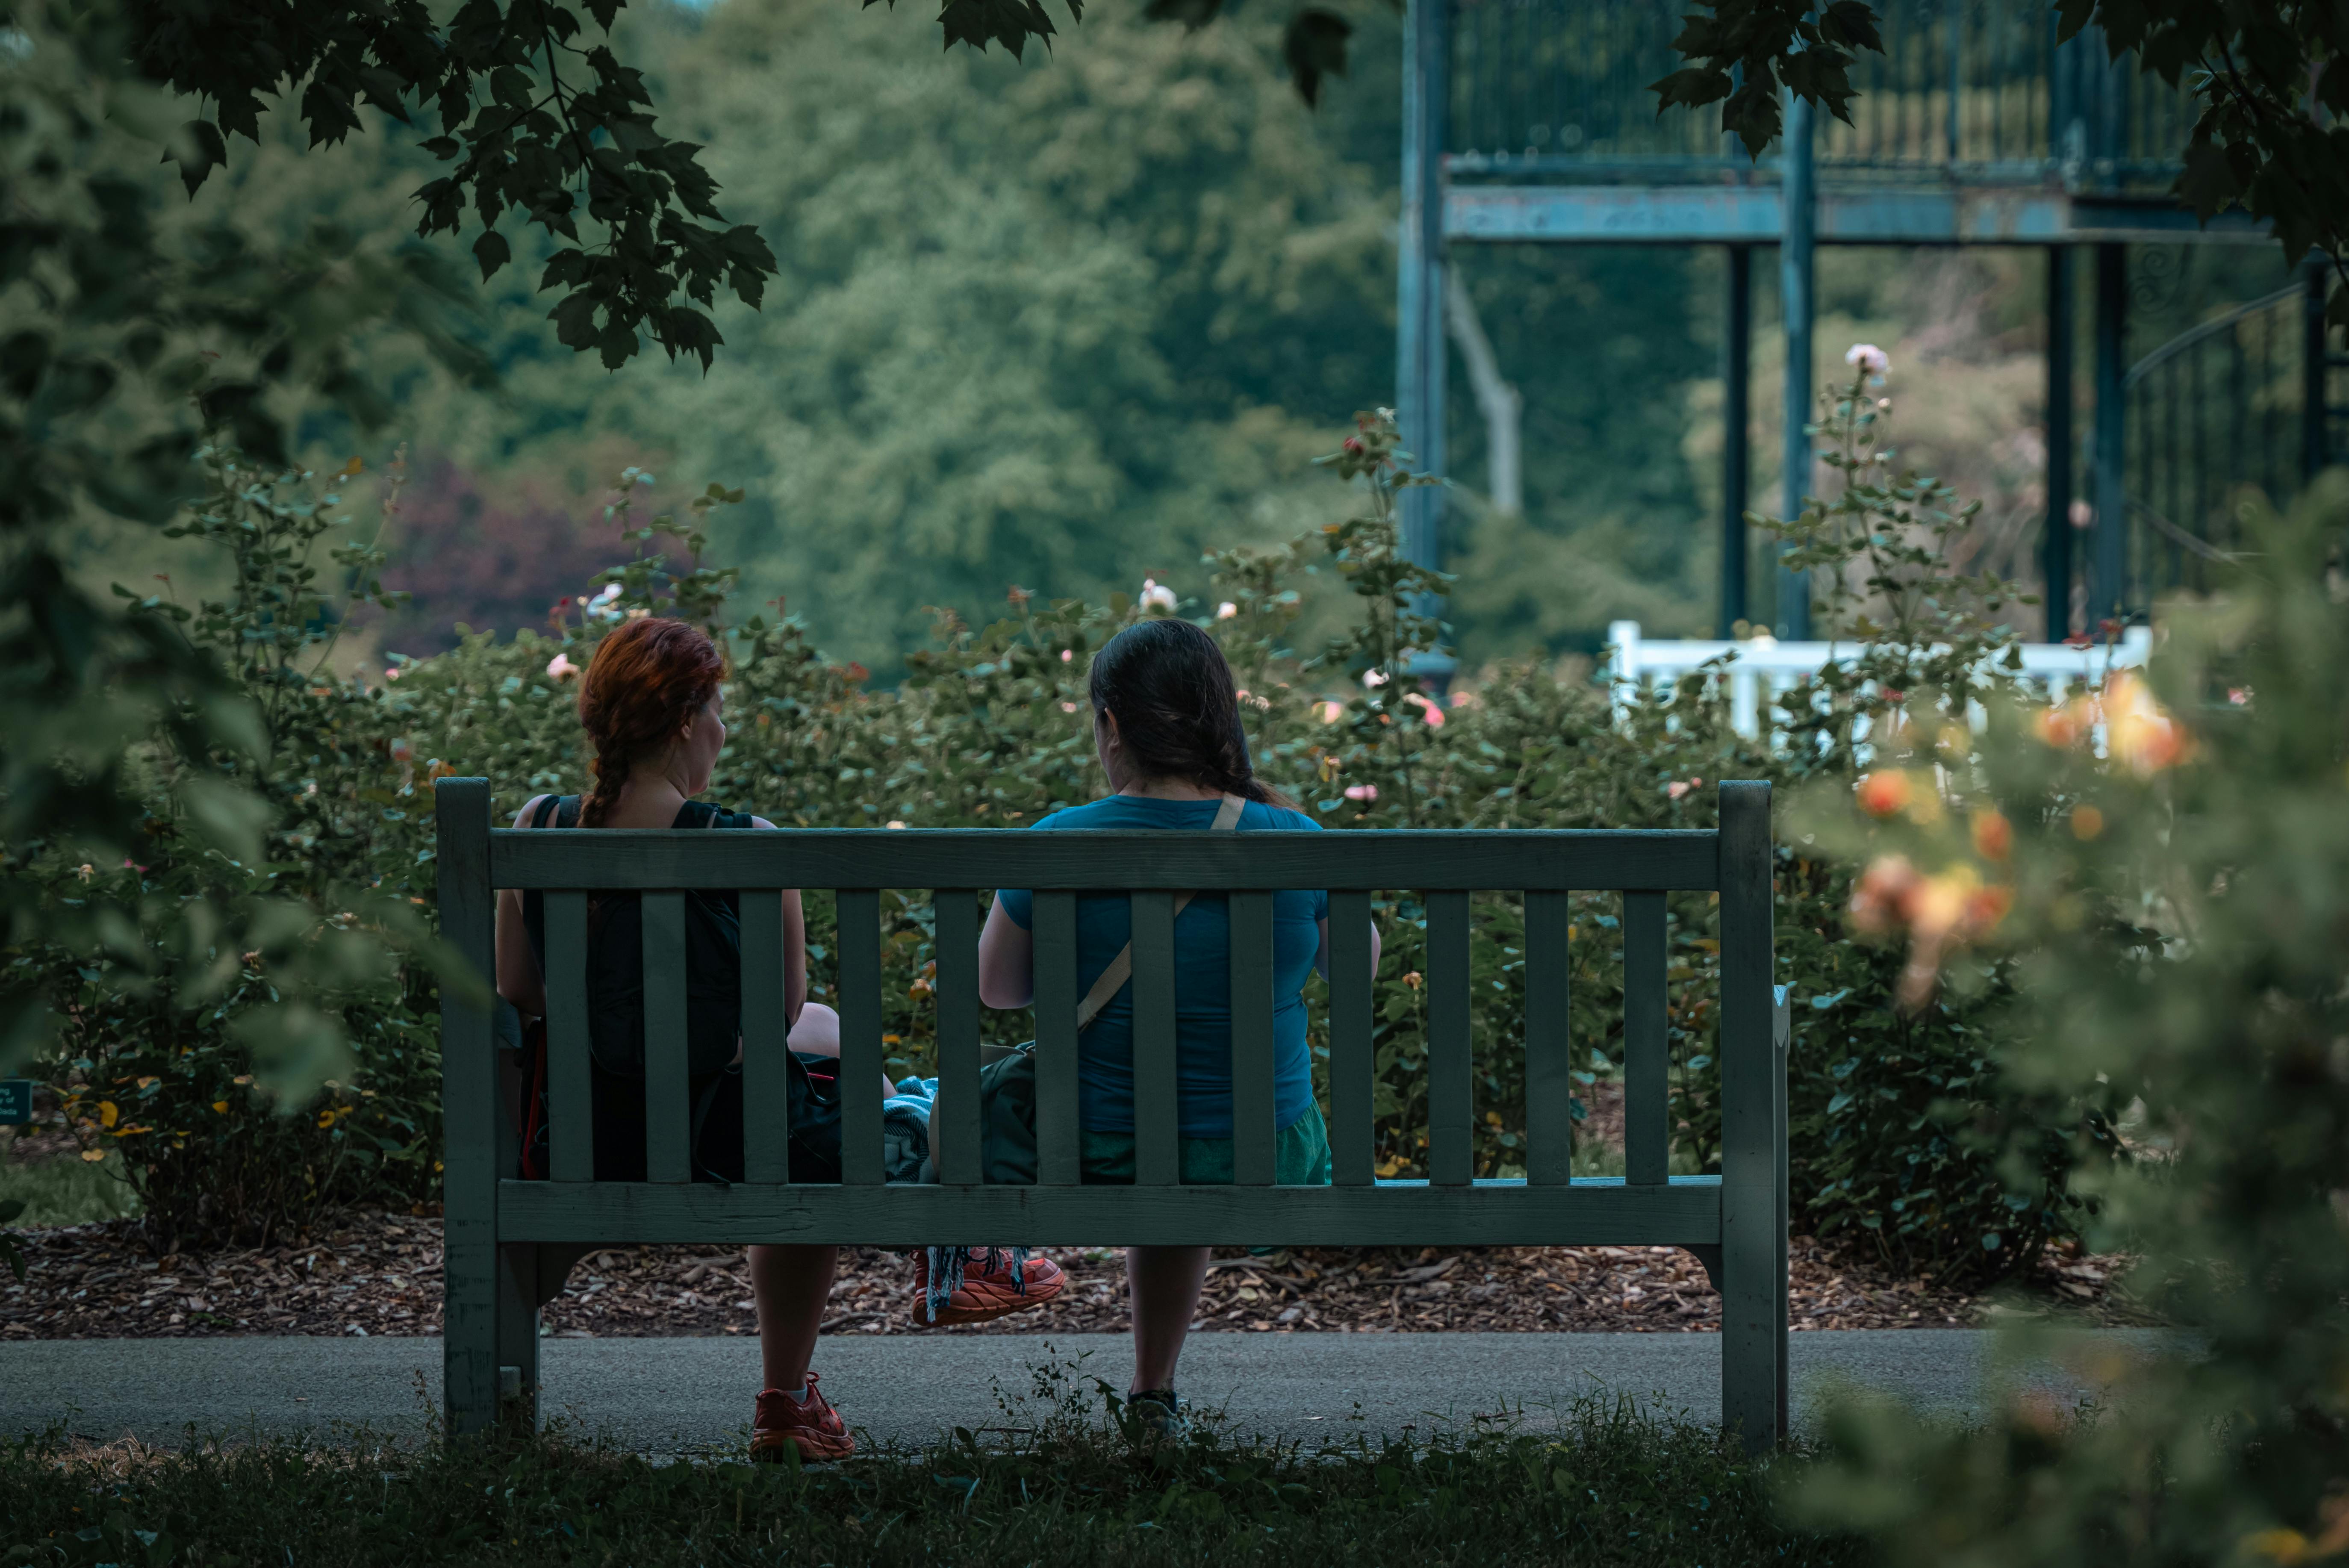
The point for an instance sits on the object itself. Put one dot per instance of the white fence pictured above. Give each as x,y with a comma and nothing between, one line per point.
1637,665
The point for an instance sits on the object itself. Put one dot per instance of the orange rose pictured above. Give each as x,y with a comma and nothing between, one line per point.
1882,794
1881,901
2139,735
2065,726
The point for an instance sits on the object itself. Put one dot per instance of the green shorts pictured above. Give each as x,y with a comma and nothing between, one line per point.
1300,1155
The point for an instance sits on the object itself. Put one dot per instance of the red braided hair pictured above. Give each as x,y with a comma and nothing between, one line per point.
647,679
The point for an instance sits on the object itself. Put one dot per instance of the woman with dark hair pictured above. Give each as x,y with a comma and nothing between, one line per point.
652,704
1166,724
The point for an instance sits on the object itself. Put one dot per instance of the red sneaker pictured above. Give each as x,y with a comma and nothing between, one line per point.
812,1426
990,1287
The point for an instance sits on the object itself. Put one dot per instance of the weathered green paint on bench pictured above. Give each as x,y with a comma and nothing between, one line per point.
502,1231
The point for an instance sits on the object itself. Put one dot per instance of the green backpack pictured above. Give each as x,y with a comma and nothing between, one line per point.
1007,1121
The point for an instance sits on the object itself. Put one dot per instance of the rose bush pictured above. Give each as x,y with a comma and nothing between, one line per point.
1904,1131
2173,858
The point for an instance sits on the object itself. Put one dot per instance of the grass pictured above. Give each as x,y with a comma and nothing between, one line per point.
64,1191
1612,1486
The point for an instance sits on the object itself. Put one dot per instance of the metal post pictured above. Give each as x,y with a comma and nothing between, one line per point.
1953,127
2055,547
2108,580
1795,285
1736,373
1419,350
2314,436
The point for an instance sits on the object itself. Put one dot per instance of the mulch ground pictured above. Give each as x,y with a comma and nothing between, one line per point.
381,1274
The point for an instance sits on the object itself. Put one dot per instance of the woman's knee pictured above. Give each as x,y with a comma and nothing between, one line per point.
816,1031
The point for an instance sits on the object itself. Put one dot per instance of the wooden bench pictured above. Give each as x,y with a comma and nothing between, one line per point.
1735,1221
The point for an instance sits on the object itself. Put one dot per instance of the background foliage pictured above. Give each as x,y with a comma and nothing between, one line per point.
1902,1120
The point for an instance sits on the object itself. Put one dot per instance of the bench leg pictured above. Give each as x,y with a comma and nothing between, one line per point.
1752,1324
518,1335
470,1338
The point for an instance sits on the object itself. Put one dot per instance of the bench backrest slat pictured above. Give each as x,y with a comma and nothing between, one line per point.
1254,1107
1646,1130
1549,1068
861,1047
1753,1150
1431,859
668,1089
1055,971
766,1080
570,1096
1157,1132
1352,1067
957,982
1451,1066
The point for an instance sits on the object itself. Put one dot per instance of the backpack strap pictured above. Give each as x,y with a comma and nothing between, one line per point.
1120,968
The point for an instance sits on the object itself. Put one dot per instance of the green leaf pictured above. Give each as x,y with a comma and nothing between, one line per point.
1315,46
1192,13
230,817
296,1049
493,252
197,147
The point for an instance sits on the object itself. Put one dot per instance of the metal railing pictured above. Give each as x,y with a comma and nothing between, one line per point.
1561,89
1736,1221
2220,407
1637,665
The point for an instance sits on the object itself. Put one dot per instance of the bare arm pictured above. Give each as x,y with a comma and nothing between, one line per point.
794,954
519,981
1321,958
1007,961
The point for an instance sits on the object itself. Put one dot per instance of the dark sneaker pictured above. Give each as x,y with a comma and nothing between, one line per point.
995,1282
810,1424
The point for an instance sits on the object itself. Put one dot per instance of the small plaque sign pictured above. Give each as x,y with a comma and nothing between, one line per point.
15,1101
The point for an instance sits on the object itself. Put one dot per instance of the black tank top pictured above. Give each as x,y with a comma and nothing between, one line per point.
615,947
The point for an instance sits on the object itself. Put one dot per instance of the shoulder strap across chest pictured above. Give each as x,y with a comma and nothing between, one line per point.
1120,968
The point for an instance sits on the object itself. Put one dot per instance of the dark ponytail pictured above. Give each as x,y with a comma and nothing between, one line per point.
1177,714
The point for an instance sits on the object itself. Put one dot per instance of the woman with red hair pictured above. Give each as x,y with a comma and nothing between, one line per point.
652,703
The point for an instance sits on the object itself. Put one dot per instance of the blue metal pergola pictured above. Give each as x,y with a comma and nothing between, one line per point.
1532,120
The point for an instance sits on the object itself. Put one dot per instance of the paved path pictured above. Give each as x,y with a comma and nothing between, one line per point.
694,1395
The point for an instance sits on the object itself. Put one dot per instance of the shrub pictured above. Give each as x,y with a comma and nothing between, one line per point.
2169,868
164,1045
1902,1119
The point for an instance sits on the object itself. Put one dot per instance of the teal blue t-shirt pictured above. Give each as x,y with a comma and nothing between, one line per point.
1203,1013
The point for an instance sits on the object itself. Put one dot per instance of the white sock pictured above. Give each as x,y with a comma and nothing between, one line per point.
796,1396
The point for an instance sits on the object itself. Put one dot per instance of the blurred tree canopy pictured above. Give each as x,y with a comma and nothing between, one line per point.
1054,323
1050,323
